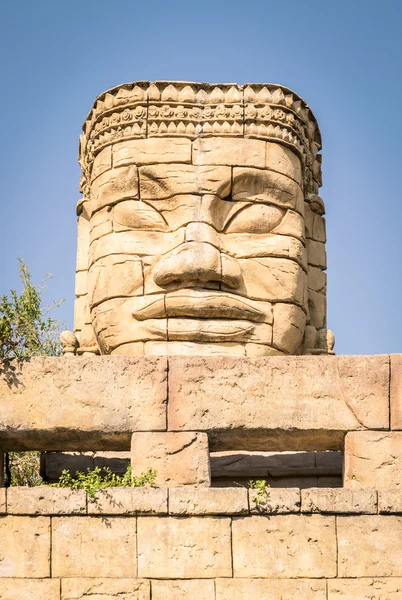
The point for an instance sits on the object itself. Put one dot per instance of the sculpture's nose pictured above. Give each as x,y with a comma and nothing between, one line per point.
198,259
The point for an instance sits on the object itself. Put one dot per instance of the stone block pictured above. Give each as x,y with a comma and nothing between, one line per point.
178,458
86,547
274,589
161,181
267,187
100,401
284,546
104,589
113,186
389,501
183,589
114,276
29,589
102,162
208,501
25,547
369,546
316,253
45,500
184,548
298,402
396,391
283,160
373,459
341,500
229,151
152,150
277,501
365,589
129,501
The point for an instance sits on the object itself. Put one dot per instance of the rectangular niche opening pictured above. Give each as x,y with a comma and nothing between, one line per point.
228,469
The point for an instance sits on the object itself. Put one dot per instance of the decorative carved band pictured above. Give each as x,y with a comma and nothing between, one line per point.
142,109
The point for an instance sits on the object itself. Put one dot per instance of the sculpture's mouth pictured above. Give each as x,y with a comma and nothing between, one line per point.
198,304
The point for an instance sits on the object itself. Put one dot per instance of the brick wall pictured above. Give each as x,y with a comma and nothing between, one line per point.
206,543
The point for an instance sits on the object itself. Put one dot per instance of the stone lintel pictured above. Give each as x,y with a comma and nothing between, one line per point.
243,404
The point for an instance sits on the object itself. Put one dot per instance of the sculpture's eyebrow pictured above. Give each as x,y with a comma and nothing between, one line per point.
264,185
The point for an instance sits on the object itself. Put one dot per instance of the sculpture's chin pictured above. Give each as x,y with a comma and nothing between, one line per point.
195,348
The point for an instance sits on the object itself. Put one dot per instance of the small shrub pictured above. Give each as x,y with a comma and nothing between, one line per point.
262,490
22,468
99,479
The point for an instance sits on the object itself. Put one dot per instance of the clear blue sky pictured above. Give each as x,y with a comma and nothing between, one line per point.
343,57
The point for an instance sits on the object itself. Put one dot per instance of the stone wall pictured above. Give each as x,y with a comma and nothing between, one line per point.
209,544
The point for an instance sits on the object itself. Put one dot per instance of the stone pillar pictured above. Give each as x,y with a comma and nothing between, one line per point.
373,459
178,458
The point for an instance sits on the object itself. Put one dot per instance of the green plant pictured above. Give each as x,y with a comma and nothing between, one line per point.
25,327
26,330
99,479
262,488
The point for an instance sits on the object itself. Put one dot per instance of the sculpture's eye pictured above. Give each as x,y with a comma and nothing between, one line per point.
138,215
255,218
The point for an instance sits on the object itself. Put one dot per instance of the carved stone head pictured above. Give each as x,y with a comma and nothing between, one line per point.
200,229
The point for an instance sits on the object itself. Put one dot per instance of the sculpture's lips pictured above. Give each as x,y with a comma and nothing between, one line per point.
198,304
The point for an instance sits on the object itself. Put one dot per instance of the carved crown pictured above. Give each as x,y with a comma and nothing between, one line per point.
171,108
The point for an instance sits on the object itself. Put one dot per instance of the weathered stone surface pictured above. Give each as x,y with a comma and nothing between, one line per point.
183,589
29,589
24,547
152,150
163,181
369,546
102,162
285,337
113,186
309,400
45,500
208,501
276,501
339,501
178,458
317,255
283,589
126,279
100,402
373,459
129,501
389,501
104,589
284,546
232,152
365,589
283,160
189,548
87,547
396,391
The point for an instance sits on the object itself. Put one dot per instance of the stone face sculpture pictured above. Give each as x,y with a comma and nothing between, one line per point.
200,230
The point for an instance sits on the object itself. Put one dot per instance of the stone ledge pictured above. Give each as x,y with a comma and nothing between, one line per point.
339,501
208,501
195,501
129,501
277,501
46,500
390,501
